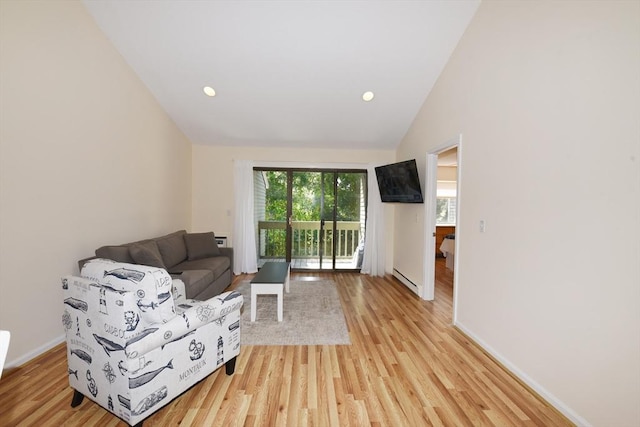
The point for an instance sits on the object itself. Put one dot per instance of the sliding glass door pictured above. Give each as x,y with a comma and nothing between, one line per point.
314,219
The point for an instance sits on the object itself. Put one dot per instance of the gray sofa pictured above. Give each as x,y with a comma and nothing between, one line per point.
194,258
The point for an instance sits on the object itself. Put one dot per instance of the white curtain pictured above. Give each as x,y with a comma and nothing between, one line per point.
244,236
374,259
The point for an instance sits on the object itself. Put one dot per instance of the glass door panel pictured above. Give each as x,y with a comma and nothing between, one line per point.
306,225
351,208
271,195
313,218
327,220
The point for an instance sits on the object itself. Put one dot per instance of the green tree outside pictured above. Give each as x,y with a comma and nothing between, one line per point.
307,202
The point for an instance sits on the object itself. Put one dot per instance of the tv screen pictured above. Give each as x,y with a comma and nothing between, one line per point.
399,182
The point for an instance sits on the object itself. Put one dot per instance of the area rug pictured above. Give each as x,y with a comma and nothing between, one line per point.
312,315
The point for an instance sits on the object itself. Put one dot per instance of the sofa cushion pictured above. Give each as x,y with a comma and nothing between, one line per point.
172,248
196,281
201,245
115,253
146,253
217,265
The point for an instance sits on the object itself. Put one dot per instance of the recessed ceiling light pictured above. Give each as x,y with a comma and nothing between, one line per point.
209,91
367,96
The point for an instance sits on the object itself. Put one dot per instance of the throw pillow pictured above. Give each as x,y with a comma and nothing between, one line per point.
201,245
146,253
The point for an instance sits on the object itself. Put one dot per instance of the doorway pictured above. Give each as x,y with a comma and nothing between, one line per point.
434,213
313,218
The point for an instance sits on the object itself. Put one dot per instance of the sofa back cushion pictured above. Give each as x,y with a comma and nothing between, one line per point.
115,253
172,248
201,245
151,285
146,253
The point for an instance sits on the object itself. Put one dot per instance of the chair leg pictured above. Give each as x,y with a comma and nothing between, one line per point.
77,398
230,366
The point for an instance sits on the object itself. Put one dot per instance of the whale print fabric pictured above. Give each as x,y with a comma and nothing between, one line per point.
132,347
152,285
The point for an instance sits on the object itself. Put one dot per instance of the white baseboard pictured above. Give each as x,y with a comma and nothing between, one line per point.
405,280
34,353
546,395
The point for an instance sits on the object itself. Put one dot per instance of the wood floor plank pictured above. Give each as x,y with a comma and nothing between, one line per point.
406,365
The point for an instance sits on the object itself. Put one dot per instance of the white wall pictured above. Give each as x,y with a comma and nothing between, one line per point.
547,94
87,157
213,202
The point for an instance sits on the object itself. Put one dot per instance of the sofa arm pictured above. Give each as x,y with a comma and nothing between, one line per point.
191,315
228,252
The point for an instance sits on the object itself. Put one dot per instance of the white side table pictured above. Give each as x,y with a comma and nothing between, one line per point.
270,280
265,289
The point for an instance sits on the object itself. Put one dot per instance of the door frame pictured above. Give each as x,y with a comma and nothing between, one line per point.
335,170
431,174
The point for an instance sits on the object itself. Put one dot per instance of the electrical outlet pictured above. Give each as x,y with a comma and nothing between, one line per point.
482,226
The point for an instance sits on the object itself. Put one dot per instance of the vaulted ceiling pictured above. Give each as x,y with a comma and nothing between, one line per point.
287,73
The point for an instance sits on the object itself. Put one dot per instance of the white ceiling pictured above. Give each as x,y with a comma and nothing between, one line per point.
448,158
287,73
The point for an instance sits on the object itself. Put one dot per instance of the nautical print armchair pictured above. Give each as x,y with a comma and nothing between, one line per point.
134,343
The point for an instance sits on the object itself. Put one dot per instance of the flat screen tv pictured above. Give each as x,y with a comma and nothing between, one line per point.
399,182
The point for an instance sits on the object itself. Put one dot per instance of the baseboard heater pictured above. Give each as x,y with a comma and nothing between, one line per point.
405,280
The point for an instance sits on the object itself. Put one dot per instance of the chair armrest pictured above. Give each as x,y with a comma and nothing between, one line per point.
83,261
191,315
177,290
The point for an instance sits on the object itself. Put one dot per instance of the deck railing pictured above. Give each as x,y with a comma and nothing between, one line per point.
307,242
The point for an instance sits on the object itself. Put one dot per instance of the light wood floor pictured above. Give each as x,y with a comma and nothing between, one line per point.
407,366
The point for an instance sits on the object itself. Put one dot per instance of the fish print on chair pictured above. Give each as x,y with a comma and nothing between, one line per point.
126,274
145,378
83,355
142,335
149,401
230,296
177,339
77,304
108,345
132,348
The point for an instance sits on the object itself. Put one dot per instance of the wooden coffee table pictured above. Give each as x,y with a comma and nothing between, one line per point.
270,280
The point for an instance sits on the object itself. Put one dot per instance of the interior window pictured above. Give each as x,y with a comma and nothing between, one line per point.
446,210
446,203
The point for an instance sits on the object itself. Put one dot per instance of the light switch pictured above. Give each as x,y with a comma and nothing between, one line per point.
482,226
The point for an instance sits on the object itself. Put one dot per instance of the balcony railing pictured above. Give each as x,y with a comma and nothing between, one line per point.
307,241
